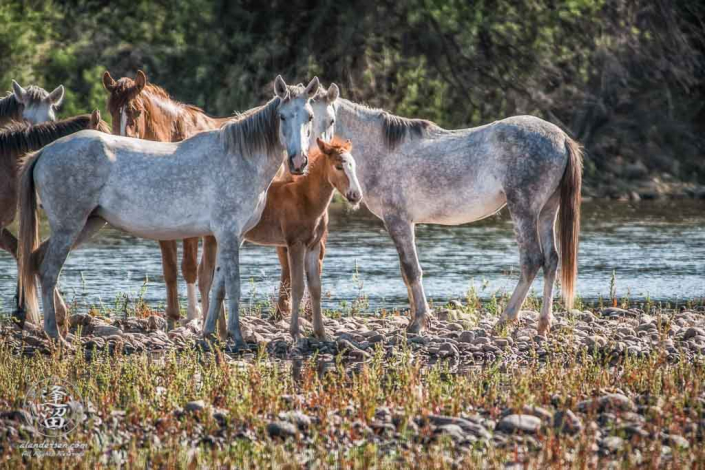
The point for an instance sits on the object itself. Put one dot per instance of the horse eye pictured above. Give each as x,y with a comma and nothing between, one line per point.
310,118
282,117
332,121
339,167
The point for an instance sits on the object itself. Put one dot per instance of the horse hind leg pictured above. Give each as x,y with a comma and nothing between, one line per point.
530,258
547,222
189,269
170,271
57,251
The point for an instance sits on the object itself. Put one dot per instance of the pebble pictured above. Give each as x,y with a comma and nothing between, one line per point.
281,429
519,423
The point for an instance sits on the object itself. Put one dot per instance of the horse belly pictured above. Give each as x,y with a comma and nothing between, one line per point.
156,226
460,210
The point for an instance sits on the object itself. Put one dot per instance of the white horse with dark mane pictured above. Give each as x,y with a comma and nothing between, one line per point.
414,172
214,183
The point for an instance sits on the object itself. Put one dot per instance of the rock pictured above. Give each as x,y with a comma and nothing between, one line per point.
674,440
79,319
613,444
595,341
281,429
195,406
300,419
519,423
21,416
466,425
105,330
567,422
448,350
617,312
537,411
453,430
155,322
609,402
693,332
466,337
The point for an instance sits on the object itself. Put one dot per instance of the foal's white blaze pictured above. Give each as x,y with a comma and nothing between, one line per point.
193,311
349,169
123,122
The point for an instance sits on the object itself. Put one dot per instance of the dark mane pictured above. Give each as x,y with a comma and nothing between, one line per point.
255,130
20,138
397,128
10,107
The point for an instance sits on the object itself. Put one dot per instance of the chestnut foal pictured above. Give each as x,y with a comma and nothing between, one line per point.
295,219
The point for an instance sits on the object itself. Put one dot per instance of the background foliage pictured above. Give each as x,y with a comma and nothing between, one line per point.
624,77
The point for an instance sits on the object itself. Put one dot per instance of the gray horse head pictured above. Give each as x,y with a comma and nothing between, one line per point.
38,105
324,110
295,122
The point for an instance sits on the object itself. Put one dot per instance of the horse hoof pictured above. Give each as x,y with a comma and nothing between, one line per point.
414,328
502,325
544,328
234,347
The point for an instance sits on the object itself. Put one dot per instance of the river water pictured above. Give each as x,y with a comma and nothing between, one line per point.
655,249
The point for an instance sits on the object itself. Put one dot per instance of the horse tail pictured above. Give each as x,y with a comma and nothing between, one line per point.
569,219
29,239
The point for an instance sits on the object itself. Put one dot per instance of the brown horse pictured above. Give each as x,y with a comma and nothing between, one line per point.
16,141
295,220
146,111
33,104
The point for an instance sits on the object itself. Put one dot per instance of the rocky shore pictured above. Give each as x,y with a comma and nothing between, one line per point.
583,398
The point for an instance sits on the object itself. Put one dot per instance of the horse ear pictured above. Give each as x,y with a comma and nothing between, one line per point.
322,144
312,87
140,80
280,88
108,82
333,93
95,119
57,96
20,93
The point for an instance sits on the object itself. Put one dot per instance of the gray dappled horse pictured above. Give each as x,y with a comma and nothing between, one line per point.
414,172
214,183
33,104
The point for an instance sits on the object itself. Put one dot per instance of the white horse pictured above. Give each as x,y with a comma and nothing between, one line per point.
214,183
413,172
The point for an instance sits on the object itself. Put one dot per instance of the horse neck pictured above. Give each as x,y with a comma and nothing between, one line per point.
361,125
164,119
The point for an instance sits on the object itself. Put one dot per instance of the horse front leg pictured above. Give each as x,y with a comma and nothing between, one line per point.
189,269
297,253
314,267
284,302
170,271
402,233
228,262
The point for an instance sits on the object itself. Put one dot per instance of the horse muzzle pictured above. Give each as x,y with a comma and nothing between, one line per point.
297,164
353,197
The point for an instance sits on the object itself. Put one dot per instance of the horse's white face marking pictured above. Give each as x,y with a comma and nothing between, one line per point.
354,193
123,122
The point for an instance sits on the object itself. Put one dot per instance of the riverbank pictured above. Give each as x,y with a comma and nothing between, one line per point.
608,385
